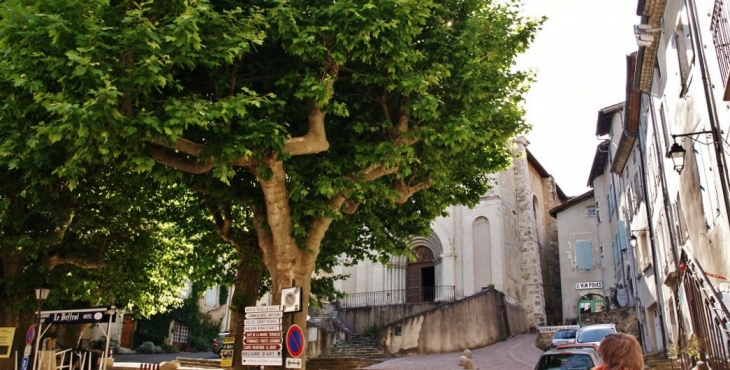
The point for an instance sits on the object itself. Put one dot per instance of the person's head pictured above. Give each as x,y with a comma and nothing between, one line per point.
621,351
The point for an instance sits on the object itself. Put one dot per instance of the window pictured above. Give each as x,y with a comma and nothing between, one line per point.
710,201
591,211
639,189
584,255
682,233
721,37
211,296
664,126
181,333
611,199
683,44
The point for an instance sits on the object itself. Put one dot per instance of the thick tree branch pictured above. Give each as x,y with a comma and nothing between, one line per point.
61,231
406,191
315,140
171,160
52,261
384,105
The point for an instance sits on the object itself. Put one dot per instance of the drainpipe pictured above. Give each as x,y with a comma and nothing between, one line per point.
711,108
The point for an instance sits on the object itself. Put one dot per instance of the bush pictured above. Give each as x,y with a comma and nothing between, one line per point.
100,343
169,348
148,347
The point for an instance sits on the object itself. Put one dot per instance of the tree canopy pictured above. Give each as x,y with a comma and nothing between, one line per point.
362,118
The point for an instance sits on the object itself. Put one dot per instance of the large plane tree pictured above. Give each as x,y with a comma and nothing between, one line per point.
368,118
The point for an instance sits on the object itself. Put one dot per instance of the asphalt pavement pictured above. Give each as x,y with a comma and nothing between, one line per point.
516,353
137,358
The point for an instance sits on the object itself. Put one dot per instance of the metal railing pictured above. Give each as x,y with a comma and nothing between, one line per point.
707,339
398,296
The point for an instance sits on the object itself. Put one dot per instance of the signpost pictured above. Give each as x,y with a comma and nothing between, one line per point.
262,340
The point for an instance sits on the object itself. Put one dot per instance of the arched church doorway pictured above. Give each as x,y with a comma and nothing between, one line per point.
590,303
421,277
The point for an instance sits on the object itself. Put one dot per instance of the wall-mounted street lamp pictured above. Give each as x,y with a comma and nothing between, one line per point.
677,152
633,240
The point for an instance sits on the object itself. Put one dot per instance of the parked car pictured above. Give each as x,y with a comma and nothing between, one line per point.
568,358
565,336
594,333
218,343
578,346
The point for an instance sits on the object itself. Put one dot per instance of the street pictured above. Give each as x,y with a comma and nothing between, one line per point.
517,353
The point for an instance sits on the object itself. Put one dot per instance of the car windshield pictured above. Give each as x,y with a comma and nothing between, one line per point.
594,335
564,334
566,361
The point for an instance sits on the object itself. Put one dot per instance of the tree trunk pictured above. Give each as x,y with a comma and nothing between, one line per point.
245,293
12,315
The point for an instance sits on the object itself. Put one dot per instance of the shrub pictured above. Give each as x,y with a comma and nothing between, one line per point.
148,347
169,348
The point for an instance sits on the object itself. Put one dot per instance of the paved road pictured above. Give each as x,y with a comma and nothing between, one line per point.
137,358
517,353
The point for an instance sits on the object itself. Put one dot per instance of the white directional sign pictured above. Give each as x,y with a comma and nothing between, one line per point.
262,337
261,354
253,361
264,315
262,322
261,327
264,308
293,363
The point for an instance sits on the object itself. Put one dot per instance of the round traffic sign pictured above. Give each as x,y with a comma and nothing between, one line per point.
29,335
295,341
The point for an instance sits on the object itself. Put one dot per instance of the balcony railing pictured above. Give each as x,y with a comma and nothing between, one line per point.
398,296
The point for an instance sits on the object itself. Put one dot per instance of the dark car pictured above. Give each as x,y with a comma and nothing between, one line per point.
568,359
565,336
218,343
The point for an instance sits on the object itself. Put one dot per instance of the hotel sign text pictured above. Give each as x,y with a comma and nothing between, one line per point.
589,285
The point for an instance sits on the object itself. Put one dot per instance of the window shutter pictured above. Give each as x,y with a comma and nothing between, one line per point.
622,235
584,255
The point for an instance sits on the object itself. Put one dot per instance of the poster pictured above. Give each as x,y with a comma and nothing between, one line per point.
6,341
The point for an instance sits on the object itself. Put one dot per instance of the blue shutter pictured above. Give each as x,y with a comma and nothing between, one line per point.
584,255
622,235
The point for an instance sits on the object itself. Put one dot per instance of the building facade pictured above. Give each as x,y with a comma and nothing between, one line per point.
508,241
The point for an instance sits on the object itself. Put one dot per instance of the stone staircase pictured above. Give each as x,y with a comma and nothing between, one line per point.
358,346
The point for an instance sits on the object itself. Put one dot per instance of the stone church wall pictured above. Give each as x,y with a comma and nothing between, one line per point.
360,318
477,321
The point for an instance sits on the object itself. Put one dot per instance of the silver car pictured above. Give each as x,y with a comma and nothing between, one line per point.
594,333
565,336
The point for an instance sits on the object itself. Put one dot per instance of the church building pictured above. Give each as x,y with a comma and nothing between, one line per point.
507,242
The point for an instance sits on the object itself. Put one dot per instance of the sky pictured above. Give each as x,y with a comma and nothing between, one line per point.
579,57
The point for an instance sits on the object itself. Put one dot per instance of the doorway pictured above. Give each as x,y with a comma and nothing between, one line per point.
421,277
590,303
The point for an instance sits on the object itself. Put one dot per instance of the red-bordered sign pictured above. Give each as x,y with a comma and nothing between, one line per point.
29,335
295,341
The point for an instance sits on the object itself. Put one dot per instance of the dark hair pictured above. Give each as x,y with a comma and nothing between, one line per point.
621,351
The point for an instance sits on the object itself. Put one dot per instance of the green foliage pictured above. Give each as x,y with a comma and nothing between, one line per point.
223,295
425,88
168,348
201,329
148,347
373,329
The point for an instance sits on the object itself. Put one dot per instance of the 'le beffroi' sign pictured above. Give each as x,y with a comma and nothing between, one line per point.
589,285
